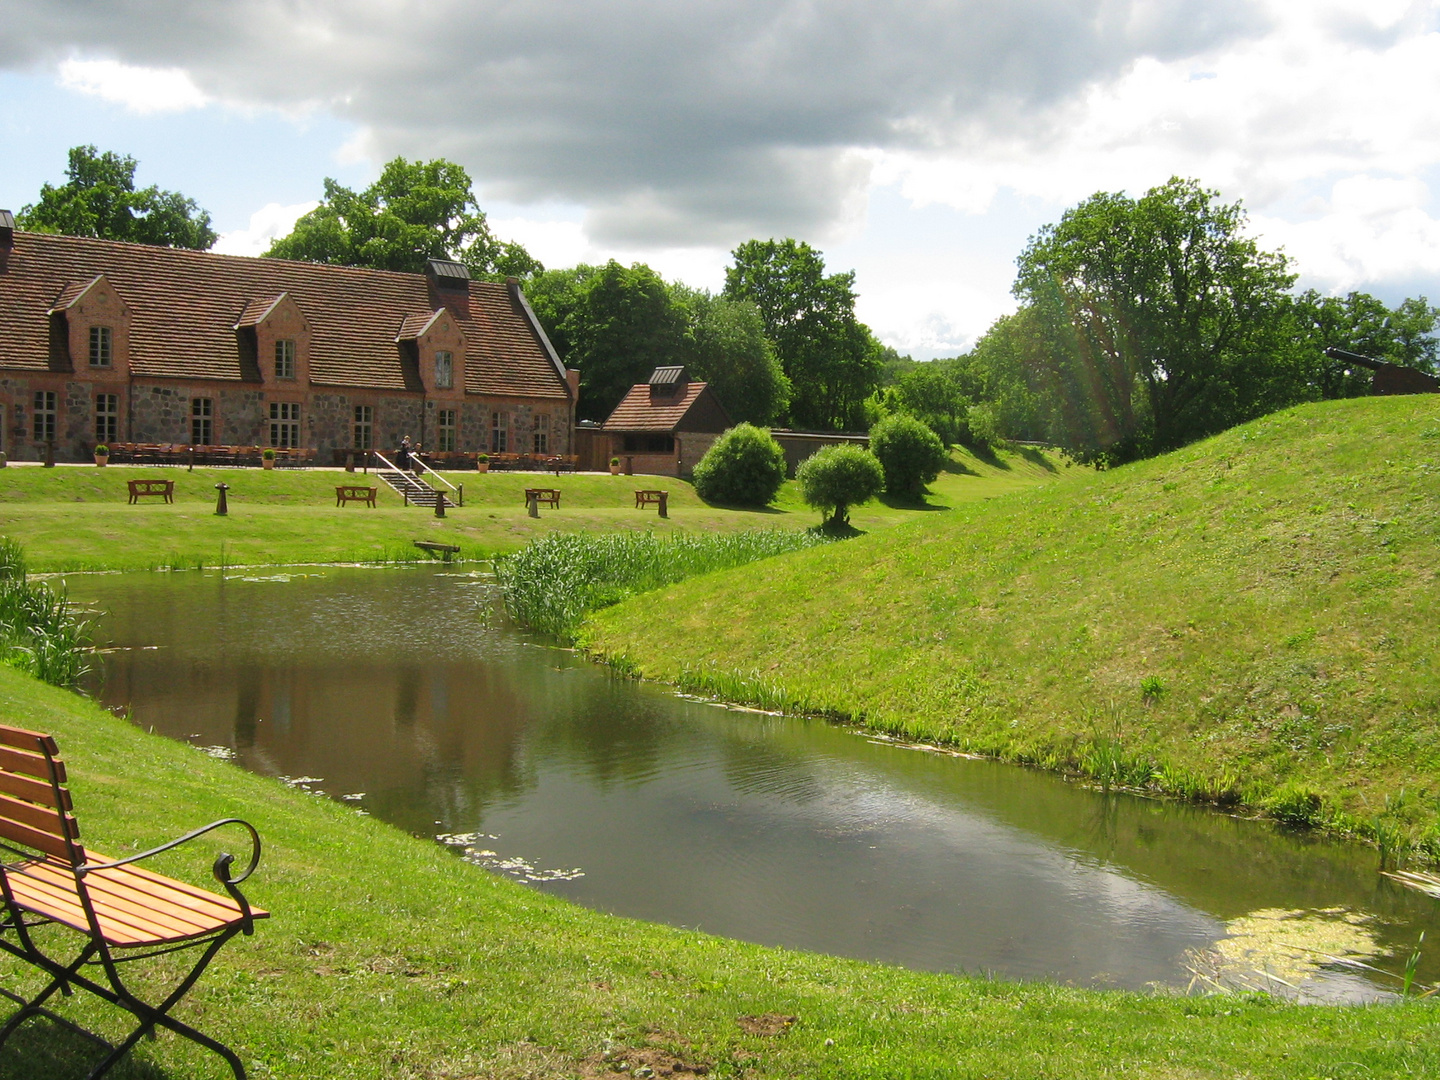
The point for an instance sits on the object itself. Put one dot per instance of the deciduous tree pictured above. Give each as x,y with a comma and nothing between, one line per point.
99,199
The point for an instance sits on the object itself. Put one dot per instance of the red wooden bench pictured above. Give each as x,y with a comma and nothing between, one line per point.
548,496
164,488
121,912
348,493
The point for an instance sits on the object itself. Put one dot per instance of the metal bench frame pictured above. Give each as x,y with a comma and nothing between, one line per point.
38,829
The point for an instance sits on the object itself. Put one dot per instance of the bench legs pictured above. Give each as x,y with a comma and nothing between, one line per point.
149,1016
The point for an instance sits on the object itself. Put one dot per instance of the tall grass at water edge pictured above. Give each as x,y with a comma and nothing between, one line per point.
552,584
38,631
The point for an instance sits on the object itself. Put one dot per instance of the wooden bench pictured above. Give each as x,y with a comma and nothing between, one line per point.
165,488
547,496
120,912
651,497
348,493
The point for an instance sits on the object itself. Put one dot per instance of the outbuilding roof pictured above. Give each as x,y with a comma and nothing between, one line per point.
187,305
693,407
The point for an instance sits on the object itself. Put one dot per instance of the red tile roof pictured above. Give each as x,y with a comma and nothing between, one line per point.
187,304
640,411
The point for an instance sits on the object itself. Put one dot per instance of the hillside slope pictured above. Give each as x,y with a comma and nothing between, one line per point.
1254,617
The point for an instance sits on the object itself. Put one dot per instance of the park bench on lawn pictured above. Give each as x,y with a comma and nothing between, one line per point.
348,493
120,912
652,497
548,496
138,488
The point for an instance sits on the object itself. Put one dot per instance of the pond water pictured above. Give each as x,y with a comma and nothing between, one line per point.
404,693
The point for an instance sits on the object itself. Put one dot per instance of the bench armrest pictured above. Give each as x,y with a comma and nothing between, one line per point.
220,868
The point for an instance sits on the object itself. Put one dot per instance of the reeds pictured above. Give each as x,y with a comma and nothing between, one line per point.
552,584
38,632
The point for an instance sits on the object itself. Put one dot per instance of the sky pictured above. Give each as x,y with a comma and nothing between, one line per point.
919,143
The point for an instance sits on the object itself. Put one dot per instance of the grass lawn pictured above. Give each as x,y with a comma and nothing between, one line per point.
72,518
1254,617
387,957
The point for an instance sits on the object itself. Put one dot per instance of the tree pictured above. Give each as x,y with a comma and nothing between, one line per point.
99,199
744,467
835,478
910,454
832,360
1360,323
415,211
614,323
729,350
1166,320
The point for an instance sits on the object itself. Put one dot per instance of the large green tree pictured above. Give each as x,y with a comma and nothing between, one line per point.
1359,322
729,350
99,199
830,357
614,323
416,210
1164,322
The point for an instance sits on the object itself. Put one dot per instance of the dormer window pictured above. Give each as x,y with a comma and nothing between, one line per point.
285,359
101,346
444,370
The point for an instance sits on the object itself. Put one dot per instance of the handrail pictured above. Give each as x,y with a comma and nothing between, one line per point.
415,458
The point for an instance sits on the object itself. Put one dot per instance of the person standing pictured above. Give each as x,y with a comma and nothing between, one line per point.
402,456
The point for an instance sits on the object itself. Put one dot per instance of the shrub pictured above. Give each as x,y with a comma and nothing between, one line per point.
839,477
909,452
745,467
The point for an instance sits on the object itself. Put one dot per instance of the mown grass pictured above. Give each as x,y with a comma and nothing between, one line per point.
1252,619
553,583
387,957
77,518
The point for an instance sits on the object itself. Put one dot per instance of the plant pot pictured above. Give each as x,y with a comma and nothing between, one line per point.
267,462
482,466
102,460
614,470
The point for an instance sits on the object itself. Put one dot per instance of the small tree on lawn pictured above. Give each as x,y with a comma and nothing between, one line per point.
745,467
910,453
837,478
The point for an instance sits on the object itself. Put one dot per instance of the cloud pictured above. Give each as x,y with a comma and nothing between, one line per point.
697,123
139,89
267,224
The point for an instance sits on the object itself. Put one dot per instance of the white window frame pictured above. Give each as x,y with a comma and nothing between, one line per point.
499,432
285,358
44,421
202,421
444,370
362,429
102,347
445,430
540,437
107,418
285,424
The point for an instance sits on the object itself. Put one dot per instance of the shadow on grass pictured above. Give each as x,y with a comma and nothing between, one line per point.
41,1048
905,502
990,455
1035,457
837,531
959,468
744,509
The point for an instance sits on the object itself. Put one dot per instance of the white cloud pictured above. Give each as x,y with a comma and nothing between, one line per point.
139,89
267,224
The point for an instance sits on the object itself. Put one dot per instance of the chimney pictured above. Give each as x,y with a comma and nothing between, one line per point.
7,237
448,276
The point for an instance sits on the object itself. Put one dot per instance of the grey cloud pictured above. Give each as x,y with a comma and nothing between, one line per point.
675,123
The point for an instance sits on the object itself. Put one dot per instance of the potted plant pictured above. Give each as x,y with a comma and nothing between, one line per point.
102,454
482,462
614,466
267,458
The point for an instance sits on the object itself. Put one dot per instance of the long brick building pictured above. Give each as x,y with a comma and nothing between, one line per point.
104,342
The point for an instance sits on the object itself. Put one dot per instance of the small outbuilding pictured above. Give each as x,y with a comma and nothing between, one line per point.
664,427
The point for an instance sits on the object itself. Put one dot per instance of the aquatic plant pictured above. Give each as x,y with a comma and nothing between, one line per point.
38,631
553,583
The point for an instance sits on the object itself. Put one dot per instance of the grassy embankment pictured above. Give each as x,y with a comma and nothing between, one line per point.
389,957
77,518
1254,618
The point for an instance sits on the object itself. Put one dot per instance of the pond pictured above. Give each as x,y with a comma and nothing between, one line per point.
404,693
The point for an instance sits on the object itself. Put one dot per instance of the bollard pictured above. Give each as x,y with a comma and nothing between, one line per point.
350,461
222,508
532,504
49,453
664,497
439,504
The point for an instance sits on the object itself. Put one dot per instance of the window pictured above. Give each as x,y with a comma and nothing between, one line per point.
284,423
499,432
285,359
107,418
364,437
444,371
202,421
542,433
447,430
100,346
43,427
649,444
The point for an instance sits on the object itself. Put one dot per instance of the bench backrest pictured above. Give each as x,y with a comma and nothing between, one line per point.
150,486
34,803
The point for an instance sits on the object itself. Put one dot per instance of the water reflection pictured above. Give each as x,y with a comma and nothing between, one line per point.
400,686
